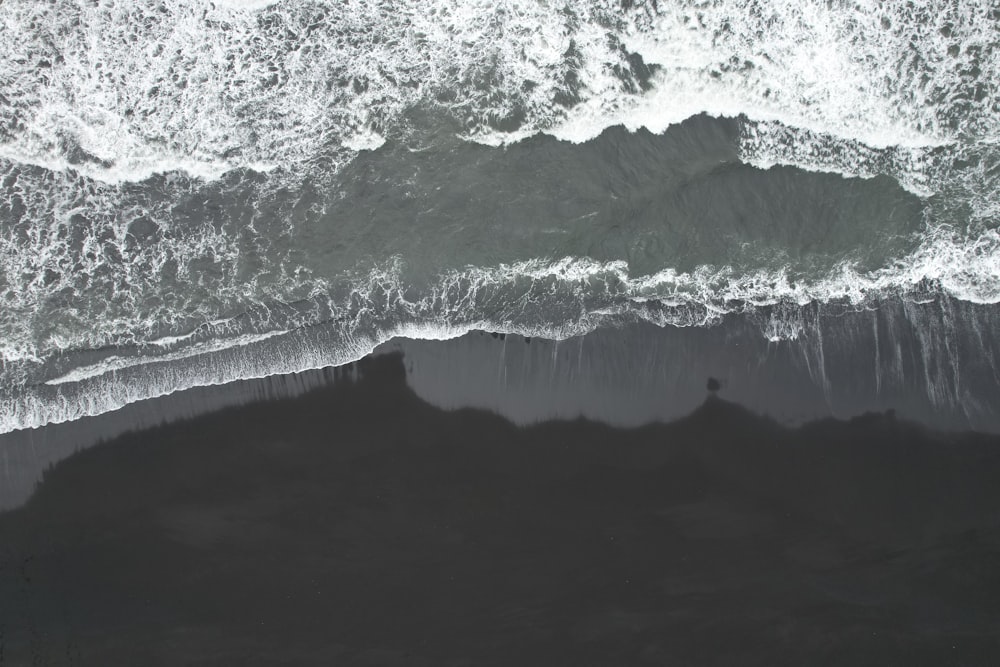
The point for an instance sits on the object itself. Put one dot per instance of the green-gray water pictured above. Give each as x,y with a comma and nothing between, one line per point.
182,179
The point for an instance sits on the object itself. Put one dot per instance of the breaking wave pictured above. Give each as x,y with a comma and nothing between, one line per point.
120,91
550,299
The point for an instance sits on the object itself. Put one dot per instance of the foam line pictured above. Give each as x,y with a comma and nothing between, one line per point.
547,299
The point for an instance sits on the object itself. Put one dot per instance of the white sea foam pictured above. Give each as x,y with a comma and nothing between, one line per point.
539,298
122,91
244,5
364,140
204,87
857,88
116,363
91,265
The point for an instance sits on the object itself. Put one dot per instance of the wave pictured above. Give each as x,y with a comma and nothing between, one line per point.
537,298
120,92
90,265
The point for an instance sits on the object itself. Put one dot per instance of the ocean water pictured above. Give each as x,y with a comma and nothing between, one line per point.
196,192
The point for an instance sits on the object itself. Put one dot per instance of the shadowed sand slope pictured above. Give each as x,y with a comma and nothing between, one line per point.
357,525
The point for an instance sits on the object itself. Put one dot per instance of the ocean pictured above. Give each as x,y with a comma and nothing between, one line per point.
194,193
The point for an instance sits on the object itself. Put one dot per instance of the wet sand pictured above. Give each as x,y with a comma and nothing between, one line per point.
359,525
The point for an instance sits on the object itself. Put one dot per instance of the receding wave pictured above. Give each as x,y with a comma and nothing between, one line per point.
551,299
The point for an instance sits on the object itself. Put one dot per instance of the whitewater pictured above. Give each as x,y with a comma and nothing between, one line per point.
173,175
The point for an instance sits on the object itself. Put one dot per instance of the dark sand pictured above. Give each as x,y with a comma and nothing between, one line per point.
358,525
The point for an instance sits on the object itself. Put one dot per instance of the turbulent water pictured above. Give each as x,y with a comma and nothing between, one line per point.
181,180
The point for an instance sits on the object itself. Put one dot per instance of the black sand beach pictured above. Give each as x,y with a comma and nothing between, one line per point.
359,525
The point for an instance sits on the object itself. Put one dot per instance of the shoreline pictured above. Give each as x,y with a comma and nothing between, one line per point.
915,364
934,361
